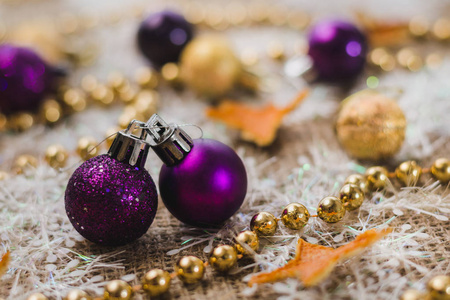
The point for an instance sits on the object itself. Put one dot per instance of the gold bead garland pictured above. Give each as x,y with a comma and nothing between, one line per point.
438,288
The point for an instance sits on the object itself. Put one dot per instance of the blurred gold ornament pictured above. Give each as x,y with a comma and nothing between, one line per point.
264,224
146,78
42,36
351,196
37,296
295,216
86,147
130,112
21,121
146,103
377,178
50,111
441,169
75,99
209,66
370,125
223,258
89,83
412,295
439,287
408,173
246,238
25,162
102,94
171,73
190,269
56,156
331,209
358,180
77,295
117,290
156,282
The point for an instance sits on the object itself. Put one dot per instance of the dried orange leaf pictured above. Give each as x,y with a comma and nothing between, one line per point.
258,125
4,262
313,263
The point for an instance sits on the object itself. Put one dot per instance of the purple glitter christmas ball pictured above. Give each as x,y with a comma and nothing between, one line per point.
111,202
25,78
338,50
162,36
207,187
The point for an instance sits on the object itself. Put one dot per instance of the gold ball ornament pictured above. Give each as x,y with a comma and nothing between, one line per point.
86,147
209,66
412,295
351,196
56,156
370,126
295,216
246,238
264,224
441,170
439,287
37,296
377,178
190,269
156,282
408,173
358,180
223,258
25,162
77,295
117,290
331,209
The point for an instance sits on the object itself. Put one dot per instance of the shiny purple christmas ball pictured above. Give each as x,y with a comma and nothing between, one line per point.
338,50
207,187
25,78
162,36
111,202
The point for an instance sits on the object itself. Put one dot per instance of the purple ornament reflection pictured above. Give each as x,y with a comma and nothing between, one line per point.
338,50
111,202
25,78
162,36
207,187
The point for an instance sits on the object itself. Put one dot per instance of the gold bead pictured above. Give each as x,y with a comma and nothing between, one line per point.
408,173
377,178
130,112
116,81
295,216
209,66
264,224
439,287
75,99
51,111
419,26
276,51
3,175
249,57
86,147
223,258
441,170
24,162
77,295
56,156
404,55
117,290
3,122
89,83
246,238
171,73
351,196
370,125
146,78
37,296
102,94
412,295
190,269
156,282
358,180
146,103
127,94
21,121
441,29
331,209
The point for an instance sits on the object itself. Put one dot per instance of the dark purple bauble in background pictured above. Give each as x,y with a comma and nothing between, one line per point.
162,36
25,79
111,202
338,50
207,187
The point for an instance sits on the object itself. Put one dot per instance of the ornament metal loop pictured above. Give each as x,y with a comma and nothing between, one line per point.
169,141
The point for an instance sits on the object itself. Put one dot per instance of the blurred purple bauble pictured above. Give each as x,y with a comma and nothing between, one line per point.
111,202
25,78
338,50
162,36
207,187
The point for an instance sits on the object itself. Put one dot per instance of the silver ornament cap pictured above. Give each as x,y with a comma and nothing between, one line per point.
169,141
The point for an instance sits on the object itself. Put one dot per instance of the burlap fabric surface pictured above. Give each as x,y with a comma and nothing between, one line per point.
304,164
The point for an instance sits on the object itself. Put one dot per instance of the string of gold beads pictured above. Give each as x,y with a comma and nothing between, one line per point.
332,209
438,288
